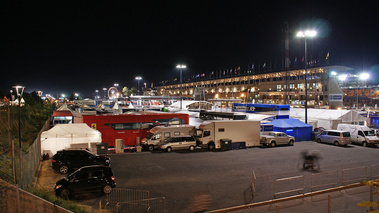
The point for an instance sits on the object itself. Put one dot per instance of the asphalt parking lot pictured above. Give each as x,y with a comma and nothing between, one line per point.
226,175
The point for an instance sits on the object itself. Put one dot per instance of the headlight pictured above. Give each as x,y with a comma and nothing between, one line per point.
57,187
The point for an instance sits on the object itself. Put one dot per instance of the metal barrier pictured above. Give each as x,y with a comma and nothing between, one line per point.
253,184
374,172
295,178
126,195
317,176
361,171
152,205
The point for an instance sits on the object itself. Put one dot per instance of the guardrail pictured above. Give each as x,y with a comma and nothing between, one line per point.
126,195
295,178
374,171
346,173
332,174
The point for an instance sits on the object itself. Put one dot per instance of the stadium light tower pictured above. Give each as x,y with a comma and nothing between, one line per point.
138,78
306,34
181,67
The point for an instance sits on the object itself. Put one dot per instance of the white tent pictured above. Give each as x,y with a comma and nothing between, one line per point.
327,118
65,136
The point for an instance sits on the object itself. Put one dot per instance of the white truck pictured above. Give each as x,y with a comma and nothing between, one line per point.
211,133
360,134
159,134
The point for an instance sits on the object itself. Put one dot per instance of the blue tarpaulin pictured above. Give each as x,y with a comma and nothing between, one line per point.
293,127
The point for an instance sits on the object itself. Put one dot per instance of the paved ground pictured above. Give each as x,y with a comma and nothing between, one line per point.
226,176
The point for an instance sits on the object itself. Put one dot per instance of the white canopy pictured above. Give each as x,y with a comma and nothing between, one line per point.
63,136
327,118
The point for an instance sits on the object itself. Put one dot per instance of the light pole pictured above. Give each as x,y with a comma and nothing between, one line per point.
306,34
181,67
19,91
363,77
138,78
104,90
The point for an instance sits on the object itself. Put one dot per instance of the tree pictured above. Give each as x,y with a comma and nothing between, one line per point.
371,183
128,92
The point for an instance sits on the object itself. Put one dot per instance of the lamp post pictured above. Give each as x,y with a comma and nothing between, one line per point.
306,34
104,90
19,91
138,78
181,67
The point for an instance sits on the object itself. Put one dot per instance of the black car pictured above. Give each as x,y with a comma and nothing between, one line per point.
66,160
84,180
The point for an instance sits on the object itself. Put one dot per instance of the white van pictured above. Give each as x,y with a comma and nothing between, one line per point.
178,142
360,134
159,134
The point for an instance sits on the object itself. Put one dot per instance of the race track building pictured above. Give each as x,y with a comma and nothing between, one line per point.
284,87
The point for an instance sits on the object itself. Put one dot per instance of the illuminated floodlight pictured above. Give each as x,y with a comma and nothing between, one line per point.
342,77
364,76
181,66
333,73
307,33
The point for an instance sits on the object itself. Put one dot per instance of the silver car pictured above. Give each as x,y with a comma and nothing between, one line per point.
179,142
336,137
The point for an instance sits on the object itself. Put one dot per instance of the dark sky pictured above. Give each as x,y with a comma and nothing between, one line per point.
80,46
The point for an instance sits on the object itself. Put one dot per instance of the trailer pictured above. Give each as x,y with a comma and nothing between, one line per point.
214,134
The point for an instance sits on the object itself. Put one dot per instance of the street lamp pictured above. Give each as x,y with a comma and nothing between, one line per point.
306,34
104,90
19,92
181,67
138,78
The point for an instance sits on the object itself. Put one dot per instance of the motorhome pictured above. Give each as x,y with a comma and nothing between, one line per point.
245,132
360,134
159,134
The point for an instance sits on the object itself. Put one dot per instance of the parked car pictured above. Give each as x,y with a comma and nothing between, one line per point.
67,160
178,142
276,138
84,180
336,137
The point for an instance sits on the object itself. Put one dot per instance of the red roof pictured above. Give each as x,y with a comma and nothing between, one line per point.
62,113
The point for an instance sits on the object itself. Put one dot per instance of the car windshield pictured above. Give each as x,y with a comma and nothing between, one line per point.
149,135
369,133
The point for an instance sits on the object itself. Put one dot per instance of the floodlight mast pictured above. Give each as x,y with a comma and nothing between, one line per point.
306,34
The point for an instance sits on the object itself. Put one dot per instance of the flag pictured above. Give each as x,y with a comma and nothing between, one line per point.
302,60
327,56
264,65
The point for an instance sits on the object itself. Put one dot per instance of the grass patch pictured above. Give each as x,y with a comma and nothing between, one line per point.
69,205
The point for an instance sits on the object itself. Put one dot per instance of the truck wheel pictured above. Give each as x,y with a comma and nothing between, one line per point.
290,143
211,146
169,149
336,143
364,144
191,148
273,144
151,148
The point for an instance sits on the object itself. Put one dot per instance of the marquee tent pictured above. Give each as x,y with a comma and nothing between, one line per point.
293,127
328,118
64,136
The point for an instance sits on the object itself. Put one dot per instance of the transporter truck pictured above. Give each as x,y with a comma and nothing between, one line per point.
211,133
359,134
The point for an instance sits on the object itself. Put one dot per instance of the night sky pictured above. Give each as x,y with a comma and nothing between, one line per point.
80,46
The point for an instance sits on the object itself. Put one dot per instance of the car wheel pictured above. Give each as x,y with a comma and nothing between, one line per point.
364,144
191,148
63,169
211,146
318,140
336,143
291,143
169,149
107,189
273,144
65,193
151,148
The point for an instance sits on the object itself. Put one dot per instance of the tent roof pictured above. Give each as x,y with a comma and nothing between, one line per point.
327,114
70,130
288,123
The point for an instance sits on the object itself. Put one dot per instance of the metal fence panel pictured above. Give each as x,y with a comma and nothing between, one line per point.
126,195
152,205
